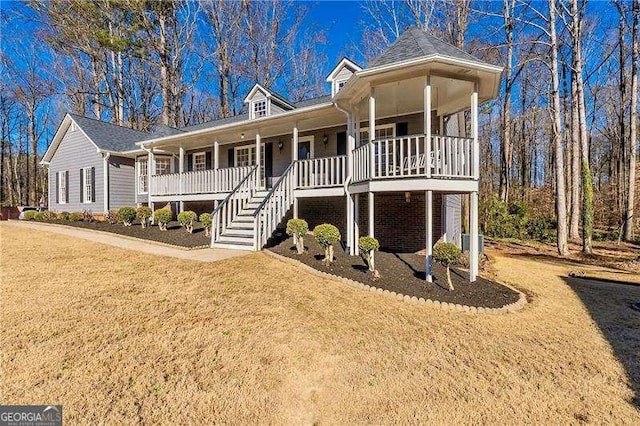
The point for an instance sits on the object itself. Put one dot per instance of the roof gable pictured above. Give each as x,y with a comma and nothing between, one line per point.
344,63
281,100
415,43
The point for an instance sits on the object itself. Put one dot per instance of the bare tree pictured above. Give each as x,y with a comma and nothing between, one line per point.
633,133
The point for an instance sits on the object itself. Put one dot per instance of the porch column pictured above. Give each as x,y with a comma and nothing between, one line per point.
474,132
371,214
181,170
216,156
258,159
428,219
294,143
150,168
356,119
372,131
349,200
356,223
473,246
427,125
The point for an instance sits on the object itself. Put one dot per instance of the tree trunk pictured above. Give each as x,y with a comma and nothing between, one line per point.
633,139
449,279
574,229
507,142
561,209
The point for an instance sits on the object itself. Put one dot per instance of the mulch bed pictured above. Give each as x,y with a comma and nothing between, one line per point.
174,235
402,273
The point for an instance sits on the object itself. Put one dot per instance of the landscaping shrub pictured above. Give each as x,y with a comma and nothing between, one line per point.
186,220
63,216
87,216
447,255
512,220
368,246
327,235
143,214
127,214
112,217
30,215
542,229
162,217
75,217
205,220
38,217
48,215
298,228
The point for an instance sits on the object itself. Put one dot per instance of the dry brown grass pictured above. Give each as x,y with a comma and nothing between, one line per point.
118,337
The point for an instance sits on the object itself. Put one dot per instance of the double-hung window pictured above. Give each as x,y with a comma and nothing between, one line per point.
143,174
260,108
163,165
62,188
199,161
87,181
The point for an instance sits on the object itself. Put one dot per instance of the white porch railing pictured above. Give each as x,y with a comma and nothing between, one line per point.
322,172
275,206
200,182
234,203
448,157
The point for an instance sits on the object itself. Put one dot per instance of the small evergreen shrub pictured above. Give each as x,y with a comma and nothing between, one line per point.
127,215
162,217
447,255
75,217
112,217
48,216
143,214
63,216
205,220
368,246
30,215
87,216
186,220
298,228
327,235
38,217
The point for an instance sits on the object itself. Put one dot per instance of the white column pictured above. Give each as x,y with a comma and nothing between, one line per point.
371,214
356,119
474,250
150,167
349,199
258,158
356,223
474,131
372,131
428,221
295,207
350,225
427,124
181,171
294,143
216,156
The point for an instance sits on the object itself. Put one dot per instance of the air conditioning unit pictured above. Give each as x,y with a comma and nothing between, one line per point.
466,242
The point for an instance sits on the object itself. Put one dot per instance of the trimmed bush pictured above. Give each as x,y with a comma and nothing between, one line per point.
205,220
186,220
87,216
327,235
447,255
162,217
63,216
127,214
75,217
30,215
143,214
298,228
112,217
38,217
368,246
48,215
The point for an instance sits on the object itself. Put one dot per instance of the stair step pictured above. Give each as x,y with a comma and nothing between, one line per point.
231,246
235,232
236,239
241,226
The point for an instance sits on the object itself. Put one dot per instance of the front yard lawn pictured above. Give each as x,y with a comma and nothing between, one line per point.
118,336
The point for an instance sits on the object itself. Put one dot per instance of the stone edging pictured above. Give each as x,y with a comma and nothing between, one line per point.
512,307
35,224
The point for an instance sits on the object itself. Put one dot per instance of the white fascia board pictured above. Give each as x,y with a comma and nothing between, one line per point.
254,121
344,62
253,91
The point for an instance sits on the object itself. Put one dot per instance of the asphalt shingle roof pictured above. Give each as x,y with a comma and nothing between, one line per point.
414,43
109,136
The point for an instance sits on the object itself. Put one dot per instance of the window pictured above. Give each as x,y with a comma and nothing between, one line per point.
382,132
340,84
199,161
142,175
62,188
87,185
259,108
163,165
246,156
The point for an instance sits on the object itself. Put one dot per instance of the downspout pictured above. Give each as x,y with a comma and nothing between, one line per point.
106,182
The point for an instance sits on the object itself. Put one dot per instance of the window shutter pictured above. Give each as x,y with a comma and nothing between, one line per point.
82,185
66,187
268,160
57,187
93,184
189,162
230,158
402,129
341,143
208,164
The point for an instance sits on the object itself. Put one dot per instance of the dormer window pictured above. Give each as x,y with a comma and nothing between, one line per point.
340,84
260,108
341,74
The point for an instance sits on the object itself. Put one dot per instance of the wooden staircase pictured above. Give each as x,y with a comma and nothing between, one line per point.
240,233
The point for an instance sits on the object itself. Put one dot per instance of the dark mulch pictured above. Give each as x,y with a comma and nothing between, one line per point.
403,273
174,235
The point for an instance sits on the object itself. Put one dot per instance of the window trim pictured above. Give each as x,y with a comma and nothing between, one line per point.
86,177
62,187
139,161
162,158
378,127
258,102
194,155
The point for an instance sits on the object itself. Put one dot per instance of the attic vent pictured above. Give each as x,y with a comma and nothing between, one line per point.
74,126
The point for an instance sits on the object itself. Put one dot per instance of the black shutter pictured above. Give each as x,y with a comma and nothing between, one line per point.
82,185
268,160
402,129
208,164
341,143
230,154
57,187
66,186
189,162
93,184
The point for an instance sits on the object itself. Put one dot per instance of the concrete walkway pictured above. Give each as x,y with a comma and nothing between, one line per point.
130,243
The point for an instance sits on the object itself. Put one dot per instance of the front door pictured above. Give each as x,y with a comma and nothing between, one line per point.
304,150
246,156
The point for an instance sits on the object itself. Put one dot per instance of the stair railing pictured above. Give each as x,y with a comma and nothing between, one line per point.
275,206
233,203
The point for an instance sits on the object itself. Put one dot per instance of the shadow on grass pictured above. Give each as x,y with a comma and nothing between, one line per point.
610,305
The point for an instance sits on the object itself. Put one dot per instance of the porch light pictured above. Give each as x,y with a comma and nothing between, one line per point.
407,197
280,145
325,139
241,135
